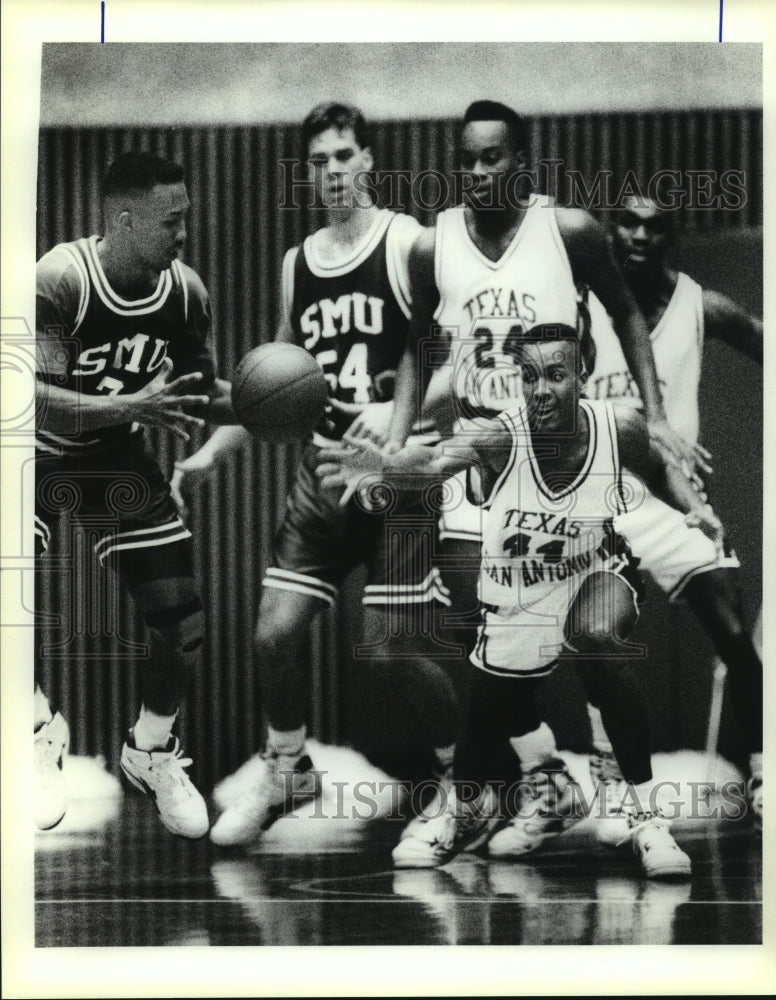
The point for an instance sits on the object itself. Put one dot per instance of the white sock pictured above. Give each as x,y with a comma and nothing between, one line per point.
41,708
535,748
601,741
287,744
152,731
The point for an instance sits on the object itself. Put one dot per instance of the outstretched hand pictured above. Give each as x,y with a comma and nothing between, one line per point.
370,421
354,464
676,451
163,403
187,475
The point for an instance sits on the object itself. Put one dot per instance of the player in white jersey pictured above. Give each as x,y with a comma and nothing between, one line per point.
555,583
345,296
484,307
504,260
682,561
515,260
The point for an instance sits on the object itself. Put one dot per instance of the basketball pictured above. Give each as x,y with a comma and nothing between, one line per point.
279,392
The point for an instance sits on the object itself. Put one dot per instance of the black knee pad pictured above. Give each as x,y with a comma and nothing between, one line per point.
178,633
176,637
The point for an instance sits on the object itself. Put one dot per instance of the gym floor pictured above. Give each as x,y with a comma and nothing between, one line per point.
111,876
133,885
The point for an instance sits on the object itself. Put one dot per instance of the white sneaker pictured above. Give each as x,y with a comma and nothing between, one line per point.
51,743
275,793
659,853
547,805
611,821
161,776
463,826
433,808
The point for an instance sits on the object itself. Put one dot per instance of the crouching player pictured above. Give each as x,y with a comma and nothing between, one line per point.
555,583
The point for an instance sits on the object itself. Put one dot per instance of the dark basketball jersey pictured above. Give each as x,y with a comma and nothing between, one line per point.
353,316
93,341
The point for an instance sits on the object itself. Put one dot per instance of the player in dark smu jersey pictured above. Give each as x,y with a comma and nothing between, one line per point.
345,298
124,340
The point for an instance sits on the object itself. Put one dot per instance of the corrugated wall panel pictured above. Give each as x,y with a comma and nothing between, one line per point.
237,239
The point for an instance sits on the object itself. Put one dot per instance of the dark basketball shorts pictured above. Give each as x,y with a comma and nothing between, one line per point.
121,502
319,542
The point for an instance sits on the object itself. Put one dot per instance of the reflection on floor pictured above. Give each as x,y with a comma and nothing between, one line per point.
111,876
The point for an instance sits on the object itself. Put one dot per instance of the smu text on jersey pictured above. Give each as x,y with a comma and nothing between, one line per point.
131,354
354,311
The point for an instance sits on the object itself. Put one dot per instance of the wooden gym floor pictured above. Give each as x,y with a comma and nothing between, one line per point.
111,876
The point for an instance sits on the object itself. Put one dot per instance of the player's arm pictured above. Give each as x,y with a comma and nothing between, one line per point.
193,351
439,403
227,439
410,382
219,409
725,320
357,464
164,402
376,421
665,480
190,472
593,264
230,438
285,334
373,420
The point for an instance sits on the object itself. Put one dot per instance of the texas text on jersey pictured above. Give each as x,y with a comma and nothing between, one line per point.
486,305
677,345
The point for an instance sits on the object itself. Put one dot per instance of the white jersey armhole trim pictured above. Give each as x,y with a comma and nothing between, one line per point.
701,324
555,233
516,430
287,282
177,271
83,284
677,295
396,260
439,242
611,420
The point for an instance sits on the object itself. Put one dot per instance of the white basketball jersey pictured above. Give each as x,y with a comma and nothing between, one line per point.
485,305
537,538
677,343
